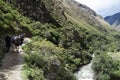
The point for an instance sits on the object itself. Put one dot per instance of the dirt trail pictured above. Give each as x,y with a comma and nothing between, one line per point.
12,64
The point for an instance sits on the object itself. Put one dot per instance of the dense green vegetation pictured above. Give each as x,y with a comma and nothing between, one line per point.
62,45
71,47
12,23
106,65
48,59
106,68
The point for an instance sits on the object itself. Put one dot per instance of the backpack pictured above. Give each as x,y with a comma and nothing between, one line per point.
22,36
17,41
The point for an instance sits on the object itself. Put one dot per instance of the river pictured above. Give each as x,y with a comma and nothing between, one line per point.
86,72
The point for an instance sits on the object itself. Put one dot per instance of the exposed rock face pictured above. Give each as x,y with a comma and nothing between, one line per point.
114,20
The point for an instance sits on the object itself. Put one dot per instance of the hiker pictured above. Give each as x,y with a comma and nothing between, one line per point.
22,36
16,42
8,42
12,39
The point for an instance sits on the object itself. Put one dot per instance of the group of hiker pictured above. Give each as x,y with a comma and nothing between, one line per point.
15,41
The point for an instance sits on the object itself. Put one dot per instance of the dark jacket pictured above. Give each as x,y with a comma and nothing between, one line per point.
8,40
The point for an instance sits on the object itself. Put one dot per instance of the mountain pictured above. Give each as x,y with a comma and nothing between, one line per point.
58,11
114,20
64,35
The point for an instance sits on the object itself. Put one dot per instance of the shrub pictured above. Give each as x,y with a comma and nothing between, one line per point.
115,75
106,68
48,57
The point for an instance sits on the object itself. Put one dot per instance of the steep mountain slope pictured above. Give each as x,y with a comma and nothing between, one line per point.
114,20
83,13
41,10
65,35
58,11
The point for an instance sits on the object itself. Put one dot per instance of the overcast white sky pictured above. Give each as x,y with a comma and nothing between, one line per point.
103,7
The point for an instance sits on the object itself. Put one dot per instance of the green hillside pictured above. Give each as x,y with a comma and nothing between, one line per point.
64,35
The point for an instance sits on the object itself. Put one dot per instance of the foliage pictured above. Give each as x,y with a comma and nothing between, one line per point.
106,68
49,58
33,73
12,23
59,50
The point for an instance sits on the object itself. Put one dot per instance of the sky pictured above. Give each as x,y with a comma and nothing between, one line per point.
103,7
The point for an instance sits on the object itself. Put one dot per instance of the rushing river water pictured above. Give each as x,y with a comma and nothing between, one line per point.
86,72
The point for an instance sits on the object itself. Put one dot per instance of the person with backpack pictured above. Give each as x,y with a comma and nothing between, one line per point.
22,36
16,43
8,42
12,39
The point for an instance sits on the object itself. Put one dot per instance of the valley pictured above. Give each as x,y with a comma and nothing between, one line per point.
64,35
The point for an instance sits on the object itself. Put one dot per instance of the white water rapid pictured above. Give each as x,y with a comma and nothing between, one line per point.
86,72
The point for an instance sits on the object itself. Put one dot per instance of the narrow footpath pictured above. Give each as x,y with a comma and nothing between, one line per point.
12,64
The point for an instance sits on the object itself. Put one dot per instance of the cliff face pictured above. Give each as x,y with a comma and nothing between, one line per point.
114,20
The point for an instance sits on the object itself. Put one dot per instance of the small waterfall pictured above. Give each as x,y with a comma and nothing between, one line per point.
86,72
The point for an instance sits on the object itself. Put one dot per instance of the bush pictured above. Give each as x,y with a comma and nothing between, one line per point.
33,73
106,68
46,56
102,76
115,75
